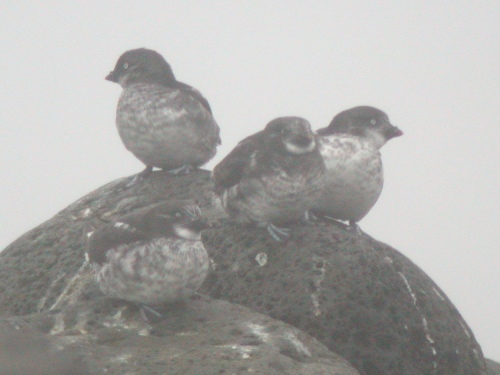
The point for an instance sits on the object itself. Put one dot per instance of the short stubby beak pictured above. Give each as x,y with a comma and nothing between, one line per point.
393,132
111,77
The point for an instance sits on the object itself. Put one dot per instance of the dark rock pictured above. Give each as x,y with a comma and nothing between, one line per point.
361,298
493,367
24,350
87,333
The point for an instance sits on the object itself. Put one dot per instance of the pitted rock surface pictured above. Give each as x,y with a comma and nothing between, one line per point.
88,333
360,297
24,350
493,367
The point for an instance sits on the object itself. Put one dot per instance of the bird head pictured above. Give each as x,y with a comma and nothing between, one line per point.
141,66
365,122
292,134
180,220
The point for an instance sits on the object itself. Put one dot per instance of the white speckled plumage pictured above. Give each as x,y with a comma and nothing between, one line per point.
354,174
354,177
153,257
155,125
156,272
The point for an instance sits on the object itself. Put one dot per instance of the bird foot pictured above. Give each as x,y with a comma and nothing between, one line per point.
309,218
354,228
150,315
193,210
185,169
334,221
277,233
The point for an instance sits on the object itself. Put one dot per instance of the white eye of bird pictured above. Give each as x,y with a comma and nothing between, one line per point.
125,66
373,121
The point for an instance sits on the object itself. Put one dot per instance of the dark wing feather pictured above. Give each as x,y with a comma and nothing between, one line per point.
194,93
110,236
231,169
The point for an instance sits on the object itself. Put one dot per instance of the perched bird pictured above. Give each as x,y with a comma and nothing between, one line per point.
152,258
163,122
272,177
354,177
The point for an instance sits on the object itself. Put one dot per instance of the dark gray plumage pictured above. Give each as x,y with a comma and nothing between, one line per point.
354,176
272,177
163,122
153,257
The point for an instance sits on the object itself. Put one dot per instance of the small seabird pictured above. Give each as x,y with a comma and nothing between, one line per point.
153,258
354,176
165,123
272,177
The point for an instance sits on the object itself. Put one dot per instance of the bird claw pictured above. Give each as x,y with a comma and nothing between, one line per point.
185,169
354,228
193,210
140,177
351,227
309,217
277,233
150,315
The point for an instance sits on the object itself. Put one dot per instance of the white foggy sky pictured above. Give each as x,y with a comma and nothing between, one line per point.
432,67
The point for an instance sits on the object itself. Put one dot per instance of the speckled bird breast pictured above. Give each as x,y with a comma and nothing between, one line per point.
155,272
164,127
354,177
278,197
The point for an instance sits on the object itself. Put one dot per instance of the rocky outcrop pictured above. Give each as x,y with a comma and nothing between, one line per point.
88,333
36,267
493,367
359,297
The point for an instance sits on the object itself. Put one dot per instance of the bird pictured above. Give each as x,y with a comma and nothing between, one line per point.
153,258
272,177
165,123
354,179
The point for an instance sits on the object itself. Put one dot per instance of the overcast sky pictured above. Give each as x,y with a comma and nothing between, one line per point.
433,68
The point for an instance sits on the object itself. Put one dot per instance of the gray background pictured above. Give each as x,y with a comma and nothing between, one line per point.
433,68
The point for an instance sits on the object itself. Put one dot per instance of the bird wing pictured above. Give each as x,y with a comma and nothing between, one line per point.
231,169
111,236
194,93
191,91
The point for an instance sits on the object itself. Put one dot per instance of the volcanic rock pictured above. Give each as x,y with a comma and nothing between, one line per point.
361,298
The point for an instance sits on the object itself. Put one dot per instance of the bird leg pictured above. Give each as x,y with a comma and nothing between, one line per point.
150,315
354,228
309,217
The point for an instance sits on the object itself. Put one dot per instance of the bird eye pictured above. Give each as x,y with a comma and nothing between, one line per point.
178,214
125,66
373,121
